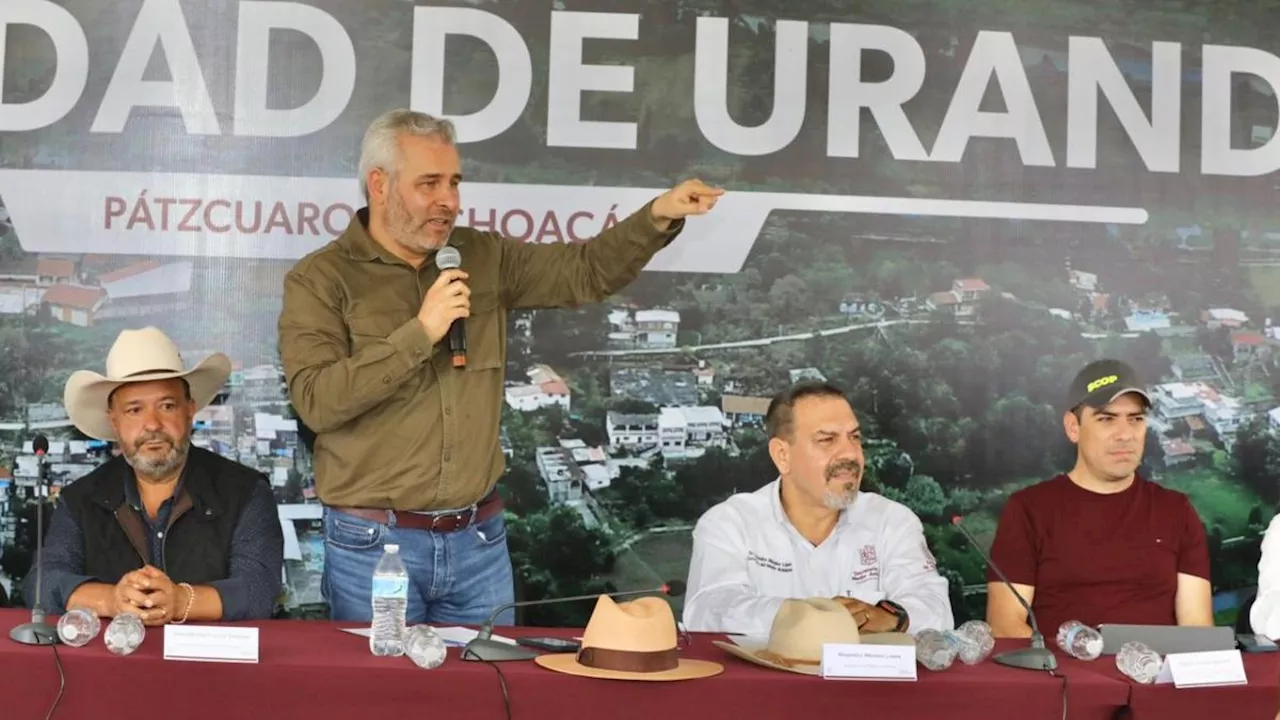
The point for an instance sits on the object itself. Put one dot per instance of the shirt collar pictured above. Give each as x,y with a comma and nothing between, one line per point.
134,498
360,246
775,502
780,515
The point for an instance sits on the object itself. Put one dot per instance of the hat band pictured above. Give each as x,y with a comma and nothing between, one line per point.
629,660
157,371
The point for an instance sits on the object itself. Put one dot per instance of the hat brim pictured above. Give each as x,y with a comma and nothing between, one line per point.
755,652
86,392
687,670
761,658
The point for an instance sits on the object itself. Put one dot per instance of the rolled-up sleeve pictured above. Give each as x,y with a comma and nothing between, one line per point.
257,558
60,565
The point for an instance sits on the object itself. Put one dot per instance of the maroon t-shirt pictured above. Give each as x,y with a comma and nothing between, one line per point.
1099,558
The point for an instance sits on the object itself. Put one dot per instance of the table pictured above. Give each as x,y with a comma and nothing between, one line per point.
309,669
1259,700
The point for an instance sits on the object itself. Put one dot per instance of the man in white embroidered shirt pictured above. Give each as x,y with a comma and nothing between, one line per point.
811,533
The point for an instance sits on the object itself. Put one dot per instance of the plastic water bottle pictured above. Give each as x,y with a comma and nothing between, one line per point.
934,650
390,603
78,626
125,634
976,641
425,647
1139,662
1079,640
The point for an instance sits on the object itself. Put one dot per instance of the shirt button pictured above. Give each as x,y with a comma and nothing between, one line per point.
448,411
160,534
447,455
386,379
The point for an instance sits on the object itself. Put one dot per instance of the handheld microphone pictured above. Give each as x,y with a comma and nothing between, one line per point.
38,631
486,649
1036,657
448,258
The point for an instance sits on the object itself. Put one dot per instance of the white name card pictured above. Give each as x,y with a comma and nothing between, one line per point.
211,643
869,662
1203,669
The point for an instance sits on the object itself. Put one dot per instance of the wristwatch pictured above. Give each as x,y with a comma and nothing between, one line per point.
897,611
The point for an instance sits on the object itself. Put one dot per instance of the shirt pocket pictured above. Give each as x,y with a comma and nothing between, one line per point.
486,328
366,328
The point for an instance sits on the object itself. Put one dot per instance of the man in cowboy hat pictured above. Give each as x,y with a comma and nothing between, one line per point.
165,530
813,533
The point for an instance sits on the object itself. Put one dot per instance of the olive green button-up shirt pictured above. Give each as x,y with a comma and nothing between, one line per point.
397,426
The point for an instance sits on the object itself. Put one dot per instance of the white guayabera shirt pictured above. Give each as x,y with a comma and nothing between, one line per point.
748,558
1264,616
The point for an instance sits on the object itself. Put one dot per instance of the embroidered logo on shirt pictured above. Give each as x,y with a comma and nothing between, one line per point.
867,555
930,562
865,574
768,563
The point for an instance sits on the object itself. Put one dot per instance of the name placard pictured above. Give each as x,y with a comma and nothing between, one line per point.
869,662
211,643
1203,669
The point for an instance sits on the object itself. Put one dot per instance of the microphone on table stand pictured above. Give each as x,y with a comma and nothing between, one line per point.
1036,657
38,631
486,649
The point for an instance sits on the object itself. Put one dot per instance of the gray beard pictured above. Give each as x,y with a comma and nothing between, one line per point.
841,500
161,467
400,225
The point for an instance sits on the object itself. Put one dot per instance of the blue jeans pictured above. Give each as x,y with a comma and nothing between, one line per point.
455,578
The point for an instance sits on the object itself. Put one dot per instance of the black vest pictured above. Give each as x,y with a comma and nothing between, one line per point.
197,546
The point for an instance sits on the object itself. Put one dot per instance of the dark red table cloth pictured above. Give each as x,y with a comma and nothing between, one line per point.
1259,700
311,670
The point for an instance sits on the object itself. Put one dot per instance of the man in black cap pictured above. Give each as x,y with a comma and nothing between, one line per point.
1101,544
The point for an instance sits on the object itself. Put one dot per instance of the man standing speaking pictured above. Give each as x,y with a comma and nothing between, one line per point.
407,448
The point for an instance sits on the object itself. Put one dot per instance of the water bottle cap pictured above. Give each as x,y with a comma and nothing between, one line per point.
391,548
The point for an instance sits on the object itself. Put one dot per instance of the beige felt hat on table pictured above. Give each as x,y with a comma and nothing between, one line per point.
800,628
634,640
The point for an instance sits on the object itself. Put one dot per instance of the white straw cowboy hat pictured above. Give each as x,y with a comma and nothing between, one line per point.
138,356
800,628
634,640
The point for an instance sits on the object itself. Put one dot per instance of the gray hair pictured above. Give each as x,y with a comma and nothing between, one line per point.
380,148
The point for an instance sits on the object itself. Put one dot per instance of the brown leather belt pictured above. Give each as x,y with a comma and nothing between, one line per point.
444,522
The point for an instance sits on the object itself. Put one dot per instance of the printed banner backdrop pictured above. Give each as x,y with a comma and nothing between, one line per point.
947,208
